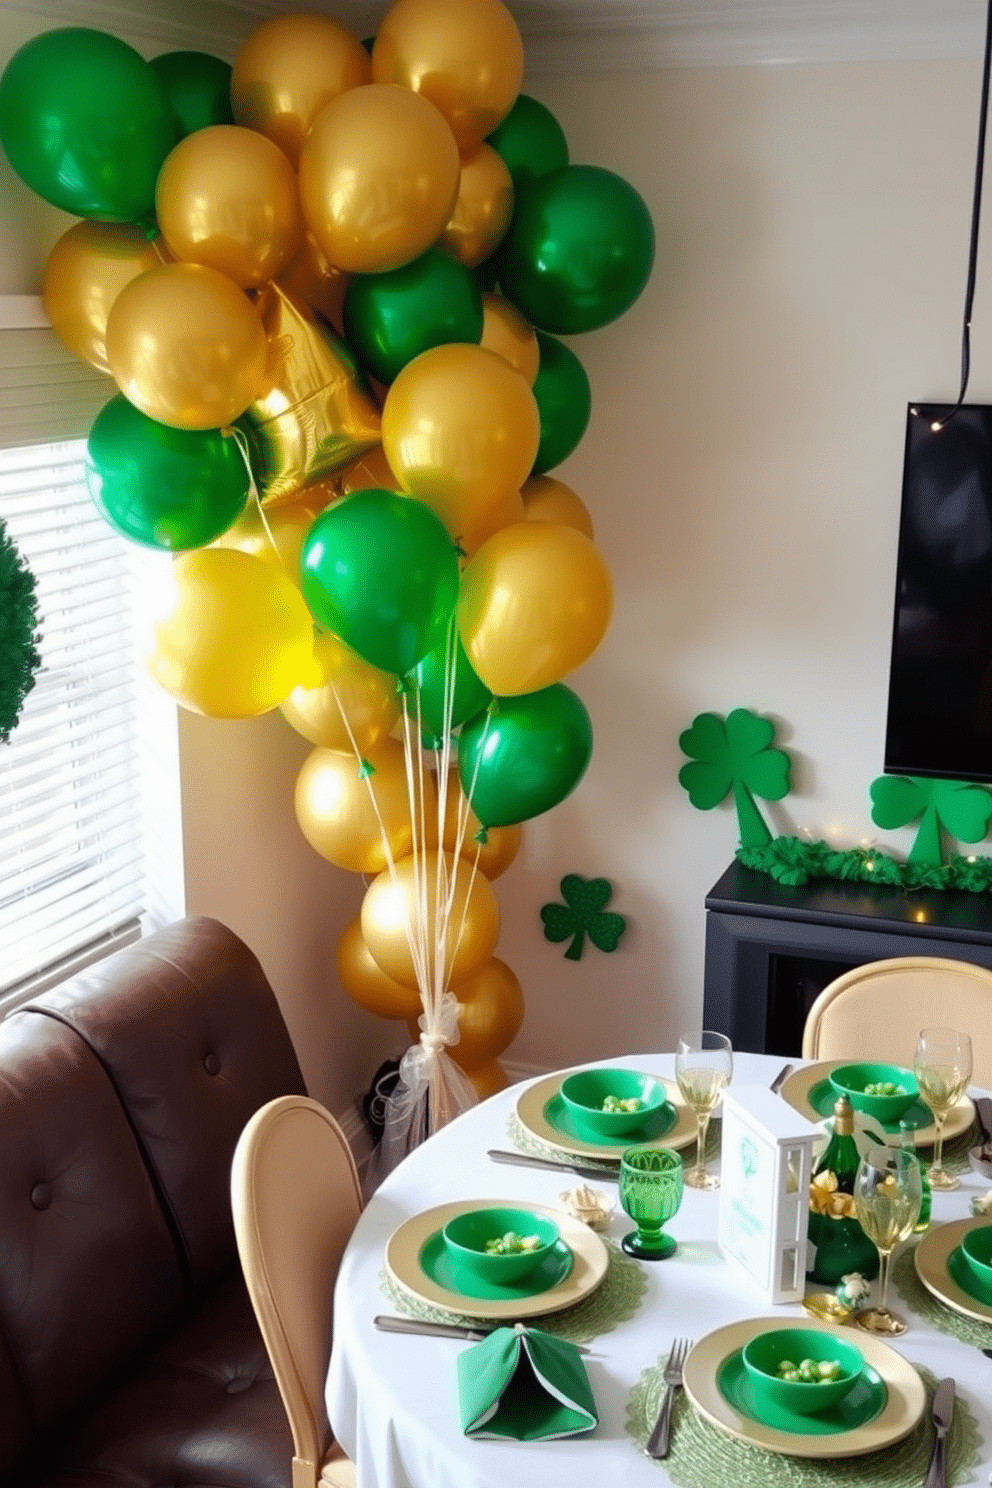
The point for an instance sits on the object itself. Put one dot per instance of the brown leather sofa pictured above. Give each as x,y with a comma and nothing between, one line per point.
129,1353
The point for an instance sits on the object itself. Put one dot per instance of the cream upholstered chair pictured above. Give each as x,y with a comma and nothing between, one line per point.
296,1197
877,1010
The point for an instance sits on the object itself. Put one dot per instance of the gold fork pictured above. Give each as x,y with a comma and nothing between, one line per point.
657,1442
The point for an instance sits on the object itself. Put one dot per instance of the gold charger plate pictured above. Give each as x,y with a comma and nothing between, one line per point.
797,1087
533,1101
931,1257
904,1406
590,1259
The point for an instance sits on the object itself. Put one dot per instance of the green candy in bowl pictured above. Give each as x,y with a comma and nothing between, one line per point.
611,1102
976,1250
802,1371
500,1245
885,1091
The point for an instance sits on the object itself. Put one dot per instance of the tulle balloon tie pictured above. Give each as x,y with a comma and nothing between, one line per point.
433,1043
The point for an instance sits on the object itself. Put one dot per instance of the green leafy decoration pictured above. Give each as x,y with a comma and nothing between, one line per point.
794,861
734,754
583,913
19,656
958,808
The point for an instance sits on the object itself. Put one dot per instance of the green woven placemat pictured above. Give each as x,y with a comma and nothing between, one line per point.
614,1301
935,1313
701,1454
525,1141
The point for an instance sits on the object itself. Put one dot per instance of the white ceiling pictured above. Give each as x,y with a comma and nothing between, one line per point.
599,35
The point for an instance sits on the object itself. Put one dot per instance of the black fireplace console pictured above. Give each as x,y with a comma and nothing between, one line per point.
771,949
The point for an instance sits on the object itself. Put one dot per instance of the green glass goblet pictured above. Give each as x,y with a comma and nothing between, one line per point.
650,1192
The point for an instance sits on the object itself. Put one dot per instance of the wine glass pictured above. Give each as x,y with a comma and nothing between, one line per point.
943,1069
704,1064
888,1191
650,1192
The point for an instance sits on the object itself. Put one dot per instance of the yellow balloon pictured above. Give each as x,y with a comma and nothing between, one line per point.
489,1079
379,173
353,817
84,273
491,1010
482,525
393,904
535,603
495,854
460,427
312,278
367,696
507,332
367,984
226,197
236,637
483,209
466,56
547,499
276,536
186,346
288,68
370,472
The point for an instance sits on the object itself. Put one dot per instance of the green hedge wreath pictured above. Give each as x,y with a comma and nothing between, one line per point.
19,655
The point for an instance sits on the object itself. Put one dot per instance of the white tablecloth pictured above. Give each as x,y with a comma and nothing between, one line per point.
393,1400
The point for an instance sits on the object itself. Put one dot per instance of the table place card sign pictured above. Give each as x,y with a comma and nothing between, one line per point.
765,1163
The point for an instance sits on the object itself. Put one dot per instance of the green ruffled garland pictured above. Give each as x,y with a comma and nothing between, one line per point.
790,860
19,656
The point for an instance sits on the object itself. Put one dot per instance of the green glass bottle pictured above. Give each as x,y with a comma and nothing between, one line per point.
841,1245
907,1139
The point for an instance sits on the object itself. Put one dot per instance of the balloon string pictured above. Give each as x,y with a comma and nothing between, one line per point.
416,934
240,439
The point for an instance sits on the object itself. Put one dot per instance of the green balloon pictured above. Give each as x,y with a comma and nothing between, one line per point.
198,88
429,678
172,489
564,401
380,572
530,141
390,318
524,754
85,122
579,252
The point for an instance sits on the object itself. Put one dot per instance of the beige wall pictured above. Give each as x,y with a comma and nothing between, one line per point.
742,466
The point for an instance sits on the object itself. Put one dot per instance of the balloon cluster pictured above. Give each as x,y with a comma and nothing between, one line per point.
329,284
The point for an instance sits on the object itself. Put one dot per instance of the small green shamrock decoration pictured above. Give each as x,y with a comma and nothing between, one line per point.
19,656
583,913
961,809
734,754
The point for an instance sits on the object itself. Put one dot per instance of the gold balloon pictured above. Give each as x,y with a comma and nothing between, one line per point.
311,416
507,510
466,56
370,472
353,817
186,346
392,905
461,428
367,696
84,273
379,172
535,603
488,1079
483,208
276,535
495,854
226,197
507,332
491,1010
236,637
547,499
312,278
367,984
287,69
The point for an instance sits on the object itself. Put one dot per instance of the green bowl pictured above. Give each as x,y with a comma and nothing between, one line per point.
976,1248
466,1235
763,1354
584,1092
851,1079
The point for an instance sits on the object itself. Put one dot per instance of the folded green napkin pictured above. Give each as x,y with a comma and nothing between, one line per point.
522,1384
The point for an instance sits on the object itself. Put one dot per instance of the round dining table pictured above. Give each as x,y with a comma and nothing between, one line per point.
393,1399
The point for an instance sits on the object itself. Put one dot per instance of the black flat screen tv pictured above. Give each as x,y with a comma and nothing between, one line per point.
939,720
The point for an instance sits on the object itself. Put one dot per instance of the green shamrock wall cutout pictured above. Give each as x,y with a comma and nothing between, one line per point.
734,754
19,658
961,809
583,913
